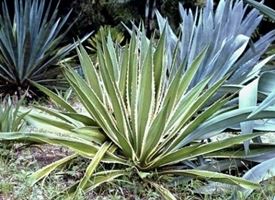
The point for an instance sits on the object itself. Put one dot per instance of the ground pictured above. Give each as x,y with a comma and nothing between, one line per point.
18,161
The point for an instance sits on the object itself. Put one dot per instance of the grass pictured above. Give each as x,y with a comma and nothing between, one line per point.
19,161
16,165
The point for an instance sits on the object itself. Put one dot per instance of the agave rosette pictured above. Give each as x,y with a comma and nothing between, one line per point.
30,46
141,118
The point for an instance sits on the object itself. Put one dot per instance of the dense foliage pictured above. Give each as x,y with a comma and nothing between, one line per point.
30,46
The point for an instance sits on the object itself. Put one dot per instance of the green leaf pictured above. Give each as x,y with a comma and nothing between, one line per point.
123,72
145,100
194,107
58,100
83,118
48,122
53,114
118,106
165,193
257,152
81,146
190,127
156,133
91,133
97,179
159,66
97,109
89,71
104,177
213,176
92,166
45,171
190,73
193,151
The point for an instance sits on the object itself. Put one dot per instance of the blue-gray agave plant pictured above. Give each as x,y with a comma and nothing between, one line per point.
226,31
267,80
30,45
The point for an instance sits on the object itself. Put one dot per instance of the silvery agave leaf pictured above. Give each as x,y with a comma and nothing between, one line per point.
226,32
262,8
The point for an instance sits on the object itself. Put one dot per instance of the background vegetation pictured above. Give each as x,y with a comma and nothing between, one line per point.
93,14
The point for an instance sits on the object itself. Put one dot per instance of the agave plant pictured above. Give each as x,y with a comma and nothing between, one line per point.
30,46
226,31
11,119
143,121
268,76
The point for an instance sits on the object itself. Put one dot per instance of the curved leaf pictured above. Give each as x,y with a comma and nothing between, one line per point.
45,171
259,173
214,176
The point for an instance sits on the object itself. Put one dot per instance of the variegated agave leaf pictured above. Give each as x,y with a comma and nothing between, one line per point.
139,107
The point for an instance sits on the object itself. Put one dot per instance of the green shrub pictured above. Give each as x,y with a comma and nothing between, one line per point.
116,35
